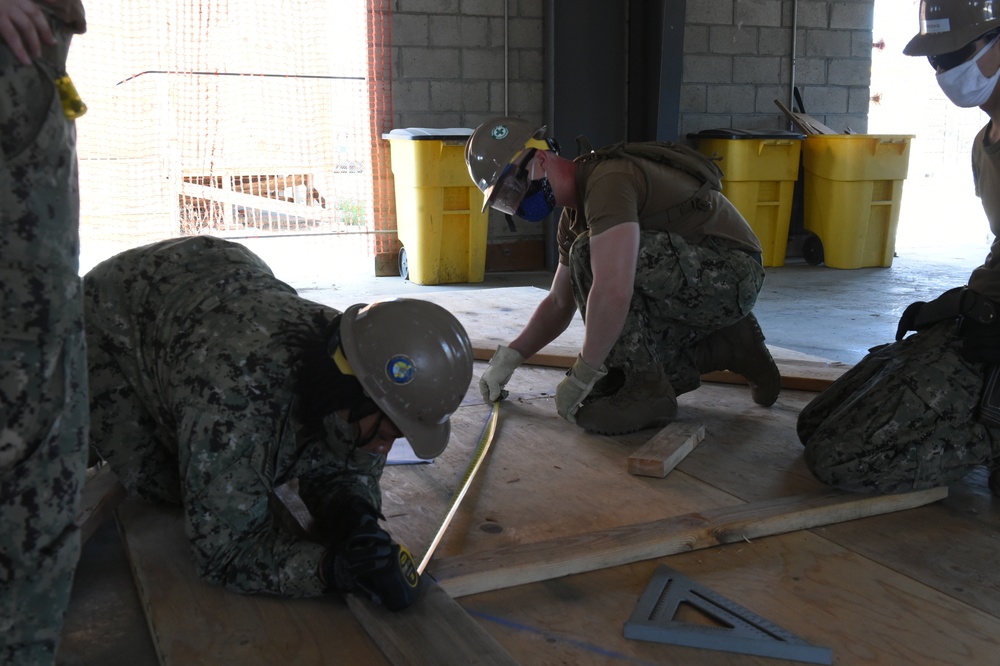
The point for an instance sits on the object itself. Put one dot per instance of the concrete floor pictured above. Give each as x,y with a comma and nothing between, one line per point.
835,314
827,312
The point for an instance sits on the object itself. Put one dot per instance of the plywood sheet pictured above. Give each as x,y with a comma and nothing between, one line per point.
820,591
194,623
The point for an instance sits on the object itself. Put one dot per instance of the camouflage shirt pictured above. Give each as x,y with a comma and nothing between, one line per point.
196,331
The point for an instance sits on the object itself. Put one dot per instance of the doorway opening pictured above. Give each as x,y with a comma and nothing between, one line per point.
939,211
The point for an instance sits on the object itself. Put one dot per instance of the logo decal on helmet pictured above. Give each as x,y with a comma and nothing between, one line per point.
400,369
500,132
935,26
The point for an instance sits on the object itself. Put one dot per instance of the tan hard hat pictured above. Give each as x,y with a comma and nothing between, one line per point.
495,150
948,25
414,359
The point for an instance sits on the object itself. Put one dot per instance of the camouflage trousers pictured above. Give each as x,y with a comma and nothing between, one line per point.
904,418
683,292
43,373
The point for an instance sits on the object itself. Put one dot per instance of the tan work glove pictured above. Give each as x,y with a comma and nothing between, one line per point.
578,384
502,366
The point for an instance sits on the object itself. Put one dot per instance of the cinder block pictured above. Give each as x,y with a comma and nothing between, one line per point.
708,69
411,95
828,43
849,71
692,99
813,14
713,12
859,100
410,30
442,63
525,33
482,63
758,12
426,7
730,98
458,30
821,100
733,40
774,41
756,69
482,8
852,15
810,71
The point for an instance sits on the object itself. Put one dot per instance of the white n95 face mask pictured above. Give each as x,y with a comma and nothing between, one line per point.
965,85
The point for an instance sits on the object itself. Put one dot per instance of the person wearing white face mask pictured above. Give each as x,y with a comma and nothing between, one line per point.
663,268
924,411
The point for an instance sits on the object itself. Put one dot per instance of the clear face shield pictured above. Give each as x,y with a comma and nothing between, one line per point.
512,185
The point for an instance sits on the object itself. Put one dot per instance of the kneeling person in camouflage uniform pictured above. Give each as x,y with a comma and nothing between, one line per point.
662,267
213,383
924,411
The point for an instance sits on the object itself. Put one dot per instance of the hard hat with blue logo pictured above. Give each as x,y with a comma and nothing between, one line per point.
496,154
414,360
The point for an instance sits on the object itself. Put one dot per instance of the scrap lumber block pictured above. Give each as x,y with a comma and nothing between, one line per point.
520,564
665,449
100,497
193,623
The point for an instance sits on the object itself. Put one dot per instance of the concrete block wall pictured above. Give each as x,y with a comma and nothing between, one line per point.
738,60
458,62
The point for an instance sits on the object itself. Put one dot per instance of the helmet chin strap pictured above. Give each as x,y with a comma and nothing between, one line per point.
363,441
341,361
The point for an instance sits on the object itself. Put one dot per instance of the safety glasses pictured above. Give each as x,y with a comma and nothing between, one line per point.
946,61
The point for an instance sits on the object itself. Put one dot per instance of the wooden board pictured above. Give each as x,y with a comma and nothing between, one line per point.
195,623
101,495
665,450
796,373
529,563
806,123
192,622
435,631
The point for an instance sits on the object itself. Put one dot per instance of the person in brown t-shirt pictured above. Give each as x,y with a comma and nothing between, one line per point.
664,271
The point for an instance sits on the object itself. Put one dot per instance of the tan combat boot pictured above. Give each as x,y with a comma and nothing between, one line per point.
740,348
646,400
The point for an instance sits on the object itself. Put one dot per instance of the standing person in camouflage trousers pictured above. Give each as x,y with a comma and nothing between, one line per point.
924,411
43,375
663,269
213,384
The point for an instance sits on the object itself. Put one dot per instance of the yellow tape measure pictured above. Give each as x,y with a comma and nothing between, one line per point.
485,439
72,106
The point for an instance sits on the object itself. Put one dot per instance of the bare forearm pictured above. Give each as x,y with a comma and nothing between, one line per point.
547,323
606,312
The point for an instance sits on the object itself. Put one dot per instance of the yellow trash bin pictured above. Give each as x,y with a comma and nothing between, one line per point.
760,168
851,195
438,208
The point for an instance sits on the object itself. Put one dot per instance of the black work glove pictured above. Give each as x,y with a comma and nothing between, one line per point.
370,562
345,519
980,341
